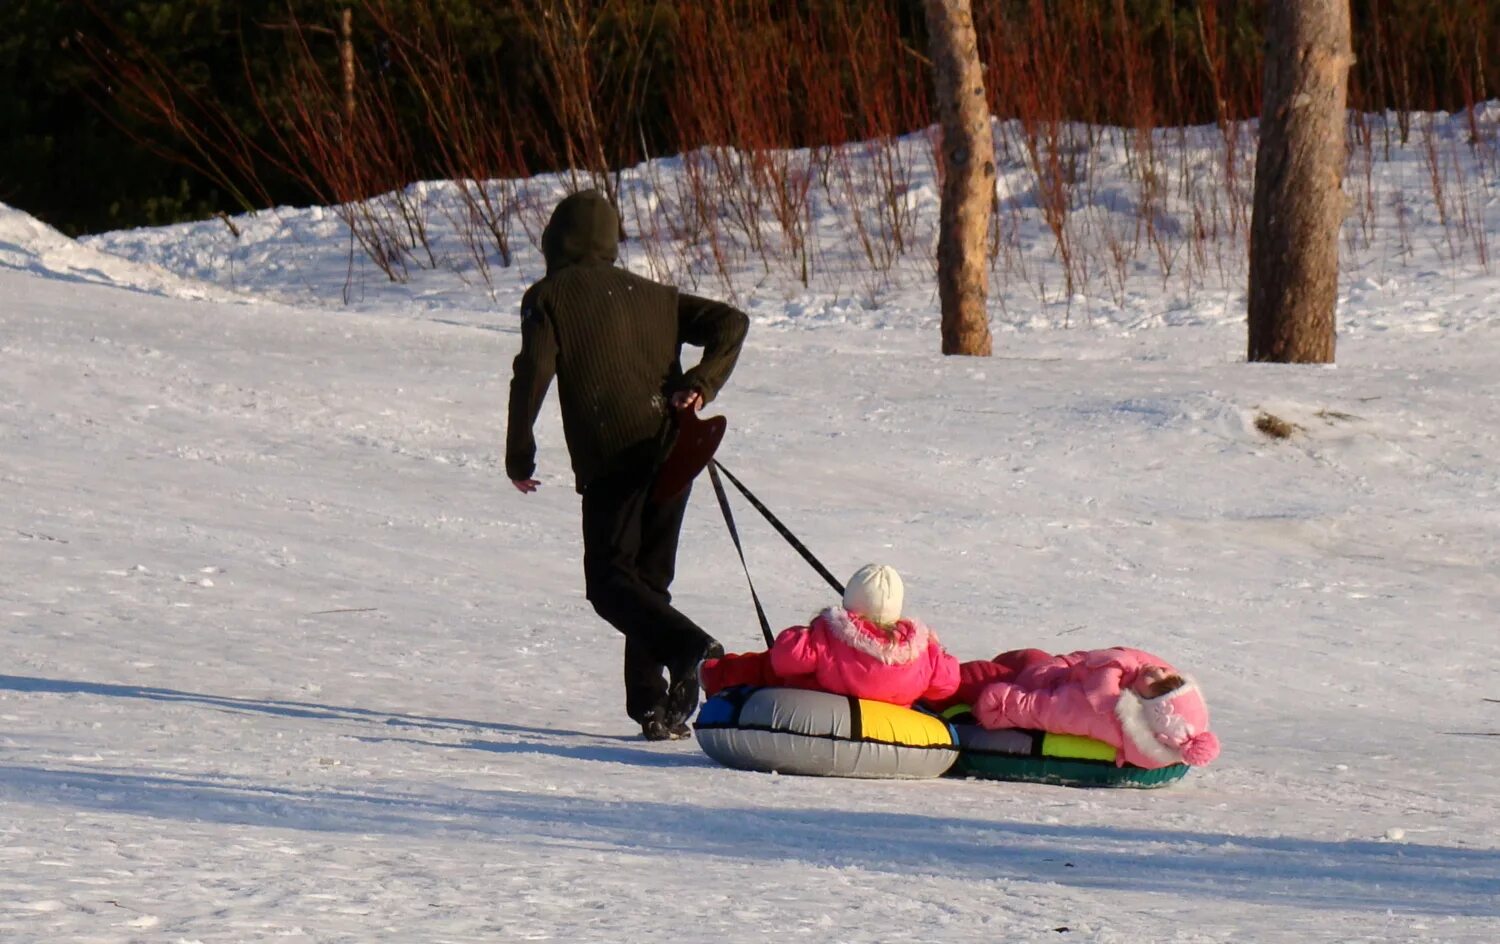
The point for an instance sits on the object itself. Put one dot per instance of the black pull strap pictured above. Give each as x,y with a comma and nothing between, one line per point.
734,534
715,467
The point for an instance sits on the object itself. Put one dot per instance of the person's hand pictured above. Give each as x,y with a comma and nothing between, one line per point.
525,486
687,400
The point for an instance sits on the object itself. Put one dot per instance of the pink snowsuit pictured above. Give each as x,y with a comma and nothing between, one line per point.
1089,693
848,655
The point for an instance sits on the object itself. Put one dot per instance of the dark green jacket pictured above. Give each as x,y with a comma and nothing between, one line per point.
613,340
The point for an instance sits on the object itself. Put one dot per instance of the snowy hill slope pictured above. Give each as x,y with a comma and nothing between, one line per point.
287,659
29,245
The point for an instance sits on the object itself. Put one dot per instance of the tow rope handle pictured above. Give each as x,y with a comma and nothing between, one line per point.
714,468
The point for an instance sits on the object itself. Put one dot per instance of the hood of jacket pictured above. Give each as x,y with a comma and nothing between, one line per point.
900,643
1171,728
584,228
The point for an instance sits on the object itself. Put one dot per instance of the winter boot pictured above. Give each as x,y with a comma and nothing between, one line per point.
657,727
682,693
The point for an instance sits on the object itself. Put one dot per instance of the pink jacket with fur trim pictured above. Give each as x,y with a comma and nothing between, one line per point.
1089,693
849,655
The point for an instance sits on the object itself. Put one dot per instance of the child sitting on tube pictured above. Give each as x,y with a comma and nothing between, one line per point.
864,649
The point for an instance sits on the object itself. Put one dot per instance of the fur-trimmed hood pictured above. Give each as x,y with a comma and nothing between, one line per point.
847,654
900,643
1171,728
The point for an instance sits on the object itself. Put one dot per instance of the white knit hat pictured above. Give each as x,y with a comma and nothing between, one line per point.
875,592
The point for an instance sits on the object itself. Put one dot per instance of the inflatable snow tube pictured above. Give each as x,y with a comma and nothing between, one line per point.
1043,757
793,731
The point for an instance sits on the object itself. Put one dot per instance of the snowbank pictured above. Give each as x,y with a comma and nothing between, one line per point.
29,245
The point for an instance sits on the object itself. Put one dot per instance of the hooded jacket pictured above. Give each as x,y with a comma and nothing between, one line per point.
613,340
846,654
1090,693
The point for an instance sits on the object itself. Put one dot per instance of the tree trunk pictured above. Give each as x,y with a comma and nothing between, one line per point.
346,61
968,177
1299,169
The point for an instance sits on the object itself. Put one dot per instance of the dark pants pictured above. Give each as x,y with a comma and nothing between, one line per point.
629,559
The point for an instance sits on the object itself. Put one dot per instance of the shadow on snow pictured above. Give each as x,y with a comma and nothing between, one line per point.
1347,874
270,706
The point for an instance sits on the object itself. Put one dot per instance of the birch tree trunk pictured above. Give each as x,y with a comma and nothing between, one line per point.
1299,170
968,177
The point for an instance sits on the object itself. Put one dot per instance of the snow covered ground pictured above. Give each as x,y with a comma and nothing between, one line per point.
286,658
